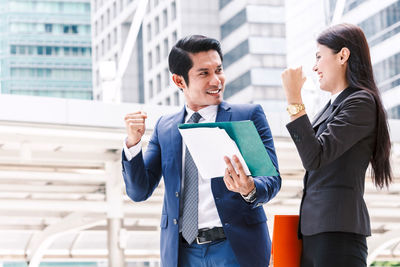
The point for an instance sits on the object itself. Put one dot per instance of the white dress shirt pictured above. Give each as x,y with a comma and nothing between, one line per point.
333,97
207,212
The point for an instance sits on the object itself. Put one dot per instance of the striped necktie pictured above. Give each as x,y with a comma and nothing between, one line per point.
190,194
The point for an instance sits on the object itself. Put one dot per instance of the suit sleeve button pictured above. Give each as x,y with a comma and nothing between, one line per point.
175,221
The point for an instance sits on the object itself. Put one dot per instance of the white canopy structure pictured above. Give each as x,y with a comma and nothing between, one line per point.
62,194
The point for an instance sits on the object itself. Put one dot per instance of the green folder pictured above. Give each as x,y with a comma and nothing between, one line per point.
249,142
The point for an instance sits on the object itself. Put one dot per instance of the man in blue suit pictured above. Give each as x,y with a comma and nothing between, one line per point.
228,225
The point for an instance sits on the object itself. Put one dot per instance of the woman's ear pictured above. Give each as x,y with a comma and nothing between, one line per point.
179,81
344,54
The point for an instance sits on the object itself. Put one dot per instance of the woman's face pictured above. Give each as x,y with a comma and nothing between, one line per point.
330,69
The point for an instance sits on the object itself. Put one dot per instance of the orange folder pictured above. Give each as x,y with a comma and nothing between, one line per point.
286,247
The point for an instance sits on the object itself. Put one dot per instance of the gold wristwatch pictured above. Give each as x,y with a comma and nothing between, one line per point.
294,109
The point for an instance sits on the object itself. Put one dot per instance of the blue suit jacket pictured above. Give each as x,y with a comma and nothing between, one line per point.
244,224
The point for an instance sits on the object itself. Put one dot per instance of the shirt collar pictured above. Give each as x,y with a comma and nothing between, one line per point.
333,97
207,113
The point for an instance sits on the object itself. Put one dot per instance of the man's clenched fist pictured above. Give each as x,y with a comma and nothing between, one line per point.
135,125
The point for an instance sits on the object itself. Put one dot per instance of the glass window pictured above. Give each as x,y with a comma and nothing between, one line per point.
66,51
232,24
173,10
21,50
150,60
166,47
166,77
157,25
165,18
74,29
148,6
394,113
13,49
151,89
148,32
48,28
176,98
238,84
158,56
48,50
114,9
40,73
158,83
66,28
223,3
374,27
174,37
96,52
236,53
13,72
61,7
40,50
31,50
168,101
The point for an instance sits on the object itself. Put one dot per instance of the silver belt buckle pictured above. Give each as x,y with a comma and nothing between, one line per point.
201,243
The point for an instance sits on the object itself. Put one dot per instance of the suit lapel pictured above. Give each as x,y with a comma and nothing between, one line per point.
176,140
317,118
323,115
327,111
224,112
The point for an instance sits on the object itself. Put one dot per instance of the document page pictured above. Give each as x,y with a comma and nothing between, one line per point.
208,146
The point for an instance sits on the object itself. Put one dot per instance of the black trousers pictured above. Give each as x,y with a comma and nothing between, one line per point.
334,249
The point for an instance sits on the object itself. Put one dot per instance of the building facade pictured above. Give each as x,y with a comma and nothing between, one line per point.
380,21
147,78
45,48
253,39
252,35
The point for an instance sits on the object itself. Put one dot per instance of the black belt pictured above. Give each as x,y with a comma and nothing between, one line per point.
208,235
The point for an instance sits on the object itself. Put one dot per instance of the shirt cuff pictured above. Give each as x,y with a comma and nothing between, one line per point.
133,151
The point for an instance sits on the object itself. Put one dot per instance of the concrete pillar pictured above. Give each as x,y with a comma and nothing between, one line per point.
115,252
114,187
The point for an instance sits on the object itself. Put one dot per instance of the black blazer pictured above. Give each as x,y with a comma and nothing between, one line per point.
335,151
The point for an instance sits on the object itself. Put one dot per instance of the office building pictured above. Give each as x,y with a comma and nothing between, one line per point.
147,78
45,48
252,35
253,39
380,21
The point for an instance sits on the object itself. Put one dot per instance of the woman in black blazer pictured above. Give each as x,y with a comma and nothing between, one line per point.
349,133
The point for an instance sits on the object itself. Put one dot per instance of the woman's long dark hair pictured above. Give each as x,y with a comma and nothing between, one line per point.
359,74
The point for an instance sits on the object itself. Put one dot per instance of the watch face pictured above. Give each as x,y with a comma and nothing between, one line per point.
292,109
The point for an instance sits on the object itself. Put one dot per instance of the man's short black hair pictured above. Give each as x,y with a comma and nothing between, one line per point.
179,60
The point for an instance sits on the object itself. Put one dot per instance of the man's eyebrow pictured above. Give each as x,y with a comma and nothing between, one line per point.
206,69
202,69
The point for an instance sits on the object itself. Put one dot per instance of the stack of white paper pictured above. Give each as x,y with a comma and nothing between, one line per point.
208,146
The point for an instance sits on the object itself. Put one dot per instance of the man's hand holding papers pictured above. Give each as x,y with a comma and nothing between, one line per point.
237,181
208,147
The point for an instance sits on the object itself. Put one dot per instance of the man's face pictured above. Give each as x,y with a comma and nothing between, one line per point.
206,81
